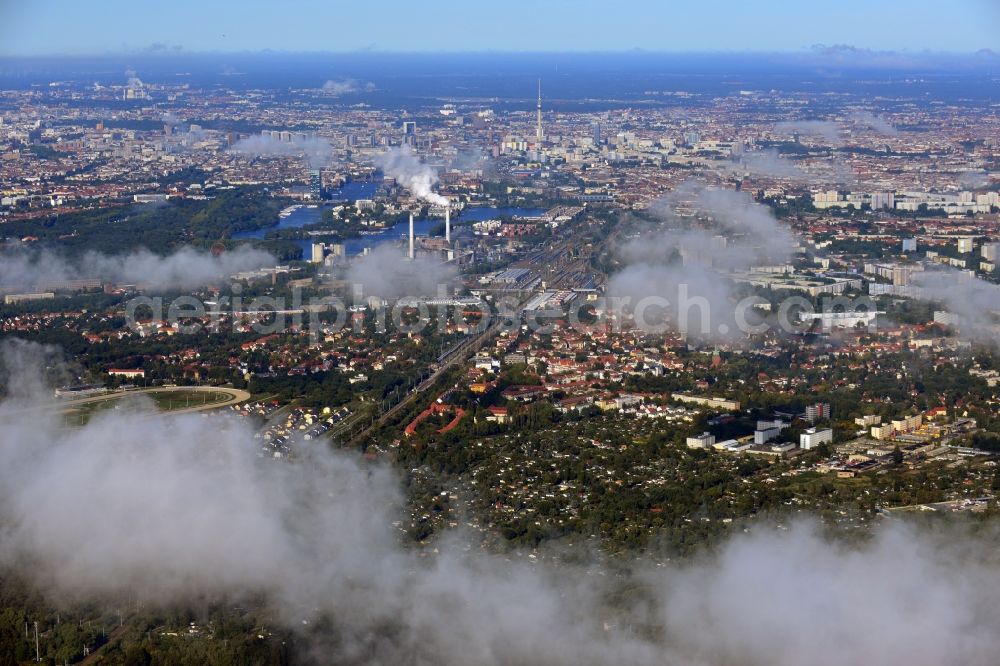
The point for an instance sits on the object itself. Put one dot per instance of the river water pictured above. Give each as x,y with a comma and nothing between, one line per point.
307,215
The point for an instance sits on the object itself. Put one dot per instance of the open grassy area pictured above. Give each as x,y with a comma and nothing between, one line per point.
183,399
165,401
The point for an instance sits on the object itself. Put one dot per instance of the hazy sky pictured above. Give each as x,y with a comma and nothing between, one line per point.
35,27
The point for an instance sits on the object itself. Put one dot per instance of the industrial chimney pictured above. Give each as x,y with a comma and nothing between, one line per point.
447,223
411,255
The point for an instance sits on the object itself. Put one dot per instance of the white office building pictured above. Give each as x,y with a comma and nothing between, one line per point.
318,252
990,251
702,441
812,437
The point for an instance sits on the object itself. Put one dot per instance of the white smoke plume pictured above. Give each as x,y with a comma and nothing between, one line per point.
165,509
133,78
26,269
407,168
315,150
346,86
386,273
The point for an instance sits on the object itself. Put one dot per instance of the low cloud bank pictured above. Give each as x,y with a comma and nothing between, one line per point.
315,150
164,509
346,86
681,263
30,269
973,300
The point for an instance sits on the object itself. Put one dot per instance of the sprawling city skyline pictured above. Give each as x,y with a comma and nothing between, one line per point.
562,333
58,27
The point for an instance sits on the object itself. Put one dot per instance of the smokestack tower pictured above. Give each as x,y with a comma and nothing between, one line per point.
447,223
538,127
411,254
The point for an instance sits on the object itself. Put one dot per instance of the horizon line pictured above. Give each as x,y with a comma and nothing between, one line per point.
821,50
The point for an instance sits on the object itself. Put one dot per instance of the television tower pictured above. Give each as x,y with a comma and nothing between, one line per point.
538,127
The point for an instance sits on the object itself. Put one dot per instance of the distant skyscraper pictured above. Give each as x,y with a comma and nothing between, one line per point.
596,129
409,127
538,127
315,183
